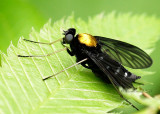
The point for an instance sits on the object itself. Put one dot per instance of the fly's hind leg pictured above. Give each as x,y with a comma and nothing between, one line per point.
66,68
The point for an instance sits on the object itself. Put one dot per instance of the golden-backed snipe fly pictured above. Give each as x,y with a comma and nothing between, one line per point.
104,56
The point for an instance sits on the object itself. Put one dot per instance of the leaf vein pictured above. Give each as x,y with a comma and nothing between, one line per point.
9,106
14,98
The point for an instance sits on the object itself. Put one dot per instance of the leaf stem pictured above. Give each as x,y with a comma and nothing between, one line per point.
147,95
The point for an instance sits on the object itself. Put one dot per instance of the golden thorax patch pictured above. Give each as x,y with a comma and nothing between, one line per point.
87,39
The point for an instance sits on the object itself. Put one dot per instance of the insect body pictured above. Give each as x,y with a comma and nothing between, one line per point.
105,57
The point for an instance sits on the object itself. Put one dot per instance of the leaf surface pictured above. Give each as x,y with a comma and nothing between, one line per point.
76,90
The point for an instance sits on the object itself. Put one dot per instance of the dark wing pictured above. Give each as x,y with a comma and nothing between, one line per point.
103,61
127,54
116,80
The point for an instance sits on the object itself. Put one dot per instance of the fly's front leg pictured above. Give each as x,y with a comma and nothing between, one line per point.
68,50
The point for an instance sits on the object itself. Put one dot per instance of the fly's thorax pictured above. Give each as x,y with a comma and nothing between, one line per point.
87,39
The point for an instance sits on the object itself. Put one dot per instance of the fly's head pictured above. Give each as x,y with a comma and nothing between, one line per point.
69,35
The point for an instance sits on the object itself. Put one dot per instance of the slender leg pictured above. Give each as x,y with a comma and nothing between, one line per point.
43,42
66,68
42,55
71,53
122,95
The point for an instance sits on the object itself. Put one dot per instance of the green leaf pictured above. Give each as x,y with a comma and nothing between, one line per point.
76,90
152,103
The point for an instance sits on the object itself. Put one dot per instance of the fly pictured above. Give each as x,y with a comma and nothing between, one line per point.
104,56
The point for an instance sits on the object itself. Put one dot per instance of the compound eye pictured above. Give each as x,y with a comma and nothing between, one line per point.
68,38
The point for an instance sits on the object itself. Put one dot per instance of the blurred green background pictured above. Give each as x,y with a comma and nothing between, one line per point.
17,17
